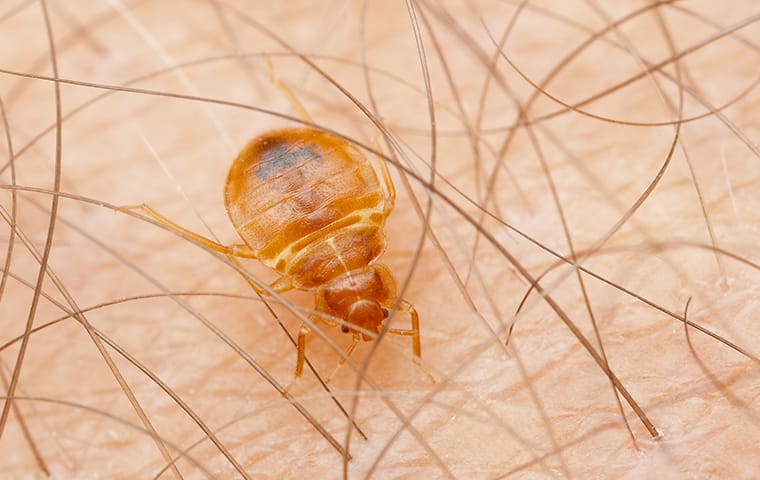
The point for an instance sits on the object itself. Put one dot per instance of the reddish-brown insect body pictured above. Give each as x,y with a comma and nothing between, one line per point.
310,205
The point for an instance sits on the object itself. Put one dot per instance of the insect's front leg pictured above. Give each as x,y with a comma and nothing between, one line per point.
349,351
301,347
413,332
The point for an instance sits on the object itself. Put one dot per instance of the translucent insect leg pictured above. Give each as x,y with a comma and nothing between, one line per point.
301,346
240,250
232,252
282,284
286,92
389,187
349,351
304,115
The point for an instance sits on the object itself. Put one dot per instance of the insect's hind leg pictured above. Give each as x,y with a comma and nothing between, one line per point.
286,92
232,252
304,115
349,351
240,250
390,190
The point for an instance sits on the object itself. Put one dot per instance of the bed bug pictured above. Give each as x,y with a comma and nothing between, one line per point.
310,205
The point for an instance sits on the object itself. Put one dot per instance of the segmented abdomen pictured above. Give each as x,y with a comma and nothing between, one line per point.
311,208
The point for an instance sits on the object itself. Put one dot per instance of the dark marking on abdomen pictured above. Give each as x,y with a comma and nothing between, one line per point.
282,155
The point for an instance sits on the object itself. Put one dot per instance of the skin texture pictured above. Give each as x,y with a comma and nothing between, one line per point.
185,357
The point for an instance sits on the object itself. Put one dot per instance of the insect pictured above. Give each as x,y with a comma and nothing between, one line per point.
310,205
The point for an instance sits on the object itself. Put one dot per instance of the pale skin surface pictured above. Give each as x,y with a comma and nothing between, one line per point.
539,408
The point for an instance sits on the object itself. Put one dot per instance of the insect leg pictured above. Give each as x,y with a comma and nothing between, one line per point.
302,332
349,351
413,332
242,251
286,92
282,284
390,189
235,250
304,115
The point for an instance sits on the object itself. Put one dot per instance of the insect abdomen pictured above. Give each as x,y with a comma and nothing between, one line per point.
304,205
336,253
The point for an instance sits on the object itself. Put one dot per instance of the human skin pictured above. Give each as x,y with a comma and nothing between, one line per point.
661,216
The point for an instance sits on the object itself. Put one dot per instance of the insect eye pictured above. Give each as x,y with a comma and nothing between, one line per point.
344,328
385,312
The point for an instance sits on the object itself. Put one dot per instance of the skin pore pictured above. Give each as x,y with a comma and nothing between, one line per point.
522,137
